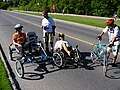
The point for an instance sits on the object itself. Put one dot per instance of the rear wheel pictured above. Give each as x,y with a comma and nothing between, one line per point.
94,53
19,69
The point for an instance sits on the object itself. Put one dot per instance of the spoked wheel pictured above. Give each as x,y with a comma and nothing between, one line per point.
105,64
19,69
10,53
58,60
77,56
94,52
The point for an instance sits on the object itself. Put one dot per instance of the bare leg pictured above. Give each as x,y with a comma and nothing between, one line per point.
65,48
114,59
108,55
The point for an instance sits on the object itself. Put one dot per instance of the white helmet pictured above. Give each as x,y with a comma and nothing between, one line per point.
18,26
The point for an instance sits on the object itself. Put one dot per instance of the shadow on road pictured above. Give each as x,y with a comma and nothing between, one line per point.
33,76
86,63
41,70
113,72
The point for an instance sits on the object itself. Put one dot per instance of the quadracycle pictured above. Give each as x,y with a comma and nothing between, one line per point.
61,58
34,53
99,55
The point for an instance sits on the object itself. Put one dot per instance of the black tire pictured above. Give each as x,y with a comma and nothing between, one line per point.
105,64
94,53
10,53
60,62
19,69
77,56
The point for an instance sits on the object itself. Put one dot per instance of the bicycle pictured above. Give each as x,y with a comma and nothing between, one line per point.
60,58
99,53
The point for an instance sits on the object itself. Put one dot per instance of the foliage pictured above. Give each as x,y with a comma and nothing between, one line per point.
3,5
84,7
4,82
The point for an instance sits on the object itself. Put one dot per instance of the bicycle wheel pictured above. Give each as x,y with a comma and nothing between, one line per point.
58,60
77,56
19,69
94,53
105,64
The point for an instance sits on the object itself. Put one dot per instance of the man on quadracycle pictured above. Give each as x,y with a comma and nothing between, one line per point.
19,38
114,39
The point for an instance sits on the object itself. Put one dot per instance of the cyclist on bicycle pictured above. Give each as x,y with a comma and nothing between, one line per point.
19,38
114,39
62,44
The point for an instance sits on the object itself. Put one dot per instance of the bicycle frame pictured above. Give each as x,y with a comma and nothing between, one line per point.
99,53
99,50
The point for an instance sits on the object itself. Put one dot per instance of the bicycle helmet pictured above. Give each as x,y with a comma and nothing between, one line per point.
18,26
61,34
109,22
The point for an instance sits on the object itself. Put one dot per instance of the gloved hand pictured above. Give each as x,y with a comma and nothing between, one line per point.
99,37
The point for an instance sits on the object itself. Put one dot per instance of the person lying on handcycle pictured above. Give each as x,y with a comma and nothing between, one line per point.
62,44
19,38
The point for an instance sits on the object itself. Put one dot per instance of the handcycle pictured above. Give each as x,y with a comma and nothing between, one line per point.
99,54
34,54
61,58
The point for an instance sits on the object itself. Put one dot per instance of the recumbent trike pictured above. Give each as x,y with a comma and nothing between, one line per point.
34,54
61,58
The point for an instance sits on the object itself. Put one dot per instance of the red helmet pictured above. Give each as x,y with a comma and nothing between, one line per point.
44,12
109,22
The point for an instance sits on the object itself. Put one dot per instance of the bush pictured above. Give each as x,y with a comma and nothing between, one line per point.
4,5
118,11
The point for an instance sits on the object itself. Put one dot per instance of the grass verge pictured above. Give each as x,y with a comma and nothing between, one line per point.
81,20
4,81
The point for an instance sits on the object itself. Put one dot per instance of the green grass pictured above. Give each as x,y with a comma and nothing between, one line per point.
81,20
4,82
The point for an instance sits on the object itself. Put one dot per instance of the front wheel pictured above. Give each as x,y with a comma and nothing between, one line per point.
94,53
105,64
77,56
19,69
58,60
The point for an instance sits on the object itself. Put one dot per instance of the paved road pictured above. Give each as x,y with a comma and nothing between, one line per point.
82,78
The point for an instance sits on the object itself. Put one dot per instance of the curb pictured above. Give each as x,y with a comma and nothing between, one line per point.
9,72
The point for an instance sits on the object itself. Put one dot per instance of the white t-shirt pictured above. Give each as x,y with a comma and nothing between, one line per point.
114,32
48,23
58,44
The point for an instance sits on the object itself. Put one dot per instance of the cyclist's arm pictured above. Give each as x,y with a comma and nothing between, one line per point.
113,40
104,31
116,34
16,43
101,34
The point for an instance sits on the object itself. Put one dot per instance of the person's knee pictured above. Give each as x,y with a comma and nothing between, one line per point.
109,49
